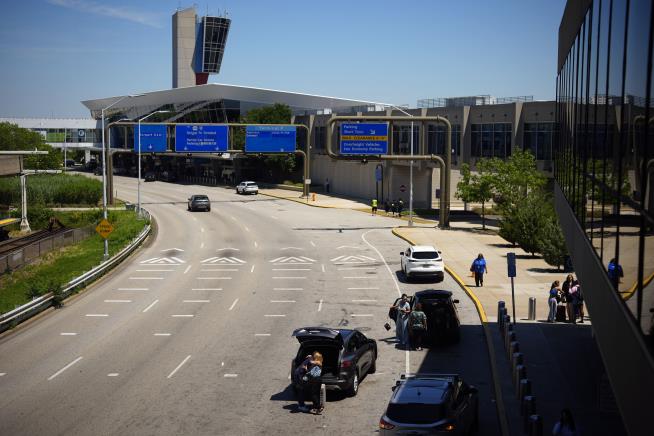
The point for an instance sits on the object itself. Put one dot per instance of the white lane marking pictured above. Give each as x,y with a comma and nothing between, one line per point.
65,368
182,316
154,270
202,245
202,229
219,269
96,314
322,266
196,301
214,278
68,334
273,316
313,244
320,306
133,289
355,277
291,278
363,301
233,218
262,334
222,363
361,314
291,248
252,269
230,375
112,374
291,269
233,304
146,278
246,228
275,218
397,287
363,289
282,301
188,268
354,268
288,289
348,246
255,244
117,301
162,334
179,366
2,374
150,306
195,219
206,289
227,248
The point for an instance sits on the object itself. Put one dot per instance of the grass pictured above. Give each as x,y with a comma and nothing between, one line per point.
52,190
59,267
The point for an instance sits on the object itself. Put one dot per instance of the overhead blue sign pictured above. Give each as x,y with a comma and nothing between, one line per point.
364,138
154,138
189,138
270,139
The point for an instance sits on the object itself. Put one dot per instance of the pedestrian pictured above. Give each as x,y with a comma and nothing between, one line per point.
374,206
565,426
567,298
393,207
577,300
614,272
479,268
402,321
400,206
387,206
417,326
552,301
308,375
327,185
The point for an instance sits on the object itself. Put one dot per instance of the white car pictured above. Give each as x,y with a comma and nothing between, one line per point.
247,188
422,260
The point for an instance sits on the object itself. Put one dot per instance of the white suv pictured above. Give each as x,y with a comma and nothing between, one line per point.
247,188
422,260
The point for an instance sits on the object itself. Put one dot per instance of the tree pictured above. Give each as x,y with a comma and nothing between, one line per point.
14,138
551,241
475,188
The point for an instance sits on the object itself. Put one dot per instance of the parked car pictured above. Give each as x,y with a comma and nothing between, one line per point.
431,404
97,170
247,188
348,356
70,163
168,176
149,177
443,323
199,202
422,260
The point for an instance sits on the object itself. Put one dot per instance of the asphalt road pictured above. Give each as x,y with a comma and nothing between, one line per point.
192,334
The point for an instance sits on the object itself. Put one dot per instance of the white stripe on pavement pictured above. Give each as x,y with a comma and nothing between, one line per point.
179,366
65,368
230,375
154,270
117,301
206,289
188,268
150,306
68,334
274,316
233,304
262,334
196,301
288,289
320,306
112,374
282,301
133,289
145,278
96,314
183,316
161,334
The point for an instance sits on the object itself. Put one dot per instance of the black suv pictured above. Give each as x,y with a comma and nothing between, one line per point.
431,404
348,355
196,202
442,317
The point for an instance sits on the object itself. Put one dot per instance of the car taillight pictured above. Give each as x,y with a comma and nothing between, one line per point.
446,427
346,364
385,425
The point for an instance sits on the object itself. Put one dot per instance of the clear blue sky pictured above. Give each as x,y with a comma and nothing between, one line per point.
54,53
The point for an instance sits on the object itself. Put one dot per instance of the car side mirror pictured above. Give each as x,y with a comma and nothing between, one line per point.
440,252
401,253
456,301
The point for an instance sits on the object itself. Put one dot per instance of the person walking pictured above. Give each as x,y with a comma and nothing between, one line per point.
393,207
400,206
479,268
374,206
402,321
308,375
552,300
327,185
615,273
387,206
417,326
565,426
567,298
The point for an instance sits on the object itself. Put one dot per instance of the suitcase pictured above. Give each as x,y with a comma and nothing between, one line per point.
560,313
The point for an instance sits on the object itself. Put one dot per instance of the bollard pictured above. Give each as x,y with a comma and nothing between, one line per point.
514,347
313,198
532,309
506,323
516,359
510,337
535,425
500,305
527,409
519,372
525,389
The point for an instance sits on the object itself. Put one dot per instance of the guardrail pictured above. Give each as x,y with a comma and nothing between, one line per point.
26,311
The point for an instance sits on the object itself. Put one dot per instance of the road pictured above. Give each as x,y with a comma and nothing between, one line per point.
192,334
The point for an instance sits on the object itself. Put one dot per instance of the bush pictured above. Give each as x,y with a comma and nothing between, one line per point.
37,216
52,190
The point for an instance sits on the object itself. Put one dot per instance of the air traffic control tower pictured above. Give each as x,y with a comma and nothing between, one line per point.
198,47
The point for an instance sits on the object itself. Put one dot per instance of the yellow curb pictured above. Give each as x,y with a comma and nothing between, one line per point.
626,295
499,400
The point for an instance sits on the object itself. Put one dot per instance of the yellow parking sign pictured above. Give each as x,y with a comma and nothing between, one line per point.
104,229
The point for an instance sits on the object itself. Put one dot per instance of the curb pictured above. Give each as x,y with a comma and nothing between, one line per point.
626,295
306,203
499,400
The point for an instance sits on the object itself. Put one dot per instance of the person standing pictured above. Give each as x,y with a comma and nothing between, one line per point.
565,290
565,426
479,268
374,206
552,300
417,326
393,207
400,206
387,206
615,273
402,320
327,185
575,294
309,373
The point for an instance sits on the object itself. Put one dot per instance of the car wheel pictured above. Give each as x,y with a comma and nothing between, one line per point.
373,366
208,209
354,388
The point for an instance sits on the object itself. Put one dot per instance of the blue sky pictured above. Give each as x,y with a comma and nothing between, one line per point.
54,53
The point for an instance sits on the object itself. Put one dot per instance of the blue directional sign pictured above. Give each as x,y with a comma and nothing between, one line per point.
153,138
510,262
270,139
364,138
194,138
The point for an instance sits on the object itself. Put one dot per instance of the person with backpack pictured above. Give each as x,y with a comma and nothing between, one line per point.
478,267
577,301
553,300
400,206
417,326
615,273
393,207
308,374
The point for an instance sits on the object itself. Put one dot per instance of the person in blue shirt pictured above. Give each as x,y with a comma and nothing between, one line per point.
614,272
478,267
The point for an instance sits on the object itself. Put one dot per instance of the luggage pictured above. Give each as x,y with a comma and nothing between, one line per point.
560,313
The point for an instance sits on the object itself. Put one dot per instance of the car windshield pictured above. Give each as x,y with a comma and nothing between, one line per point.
415,413
425,255
201,197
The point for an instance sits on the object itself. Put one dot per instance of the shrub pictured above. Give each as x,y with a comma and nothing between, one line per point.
52,190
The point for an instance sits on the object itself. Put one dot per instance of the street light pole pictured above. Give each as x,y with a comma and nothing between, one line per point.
138,189
410,167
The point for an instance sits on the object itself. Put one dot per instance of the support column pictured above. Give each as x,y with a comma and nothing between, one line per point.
24,224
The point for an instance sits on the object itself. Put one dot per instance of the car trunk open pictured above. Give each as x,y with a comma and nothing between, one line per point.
330,353
439,318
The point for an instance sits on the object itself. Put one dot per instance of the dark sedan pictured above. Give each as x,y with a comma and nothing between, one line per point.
199,202
442,316
348,355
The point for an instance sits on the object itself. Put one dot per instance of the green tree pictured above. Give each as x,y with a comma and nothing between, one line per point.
551,243
14,138
475,188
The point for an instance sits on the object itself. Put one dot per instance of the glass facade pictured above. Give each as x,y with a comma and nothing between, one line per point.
71,136
491,140
538,139
604,152
436,140
215,38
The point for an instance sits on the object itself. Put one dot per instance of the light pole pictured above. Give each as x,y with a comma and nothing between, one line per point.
138,188
410,167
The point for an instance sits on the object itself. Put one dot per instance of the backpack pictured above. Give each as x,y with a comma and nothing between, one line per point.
313,374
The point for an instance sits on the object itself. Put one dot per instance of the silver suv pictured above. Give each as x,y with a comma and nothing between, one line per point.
247,188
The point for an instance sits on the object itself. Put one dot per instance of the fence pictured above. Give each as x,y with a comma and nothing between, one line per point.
29,253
